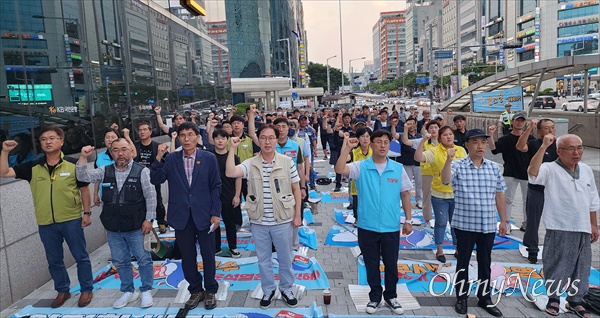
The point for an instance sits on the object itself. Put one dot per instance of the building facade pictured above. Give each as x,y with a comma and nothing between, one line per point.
389,44
218,31
259,33
418,14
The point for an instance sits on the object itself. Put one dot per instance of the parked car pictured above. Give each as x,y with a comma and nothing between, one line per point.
544,102
576,104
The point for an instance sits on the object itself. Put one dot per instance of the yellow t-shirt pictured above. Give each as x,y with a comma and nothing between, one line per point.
436,157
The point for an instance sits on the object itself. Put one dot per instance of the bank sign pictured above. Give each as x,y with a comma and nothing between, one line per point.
495,101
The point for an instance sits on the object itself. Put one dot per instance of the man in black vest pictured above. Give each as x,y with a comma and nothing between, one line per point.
147,149
127,214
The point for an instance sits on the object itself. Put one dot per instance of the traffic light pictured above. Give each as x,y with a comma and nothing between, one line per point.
512,45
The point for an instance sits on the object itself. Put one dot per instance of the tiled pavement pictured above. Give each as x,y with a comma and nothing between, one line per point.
341,268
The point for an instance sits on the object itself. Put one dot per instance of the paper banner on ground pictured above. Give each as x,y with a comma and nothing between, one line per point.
308,217
307,237
341,216
525,253
155,312
513,279
241,273
335,197
360,297
418,239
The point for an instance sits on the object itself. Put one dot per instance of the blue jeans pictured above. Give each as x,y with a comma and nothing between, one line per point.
122,246
443,210
280,236
52,237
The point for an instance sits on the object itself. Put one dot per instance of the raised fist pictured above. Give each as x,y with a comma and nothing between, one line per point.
125,132
549,139
451,153
86,151
235,141
9,145
351,142
157,110
174,135
162,149
492,129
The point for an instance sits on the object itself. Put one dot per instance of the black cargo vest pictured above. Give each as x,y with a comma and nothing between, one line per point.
123,210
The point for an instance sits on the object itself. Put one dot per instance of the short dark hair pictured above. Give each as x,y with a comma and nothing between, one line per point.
433,122
411,118
539,124
380,133
383,111
296,111
54,128
365,106
281,120
236,118
110,130
220,133
459,117
346,115
225,121
119,139
362,130
188,125
443,129
267,126
144,122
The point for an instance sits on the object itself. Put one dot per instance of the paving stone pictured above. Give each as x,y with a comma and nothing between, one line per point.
165,293
238,298
335,275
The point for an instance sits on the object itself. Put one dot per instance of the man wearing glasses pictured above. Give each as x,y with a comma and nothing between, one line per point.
127,214
382,184
569,216
194,209
178,119
58,198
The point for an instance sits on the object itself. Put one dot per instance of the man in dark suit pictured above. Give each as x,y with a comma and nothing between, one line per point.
194,209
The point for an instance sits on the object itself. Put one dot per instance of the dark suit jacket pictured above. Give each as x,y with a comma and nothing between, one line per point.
202,199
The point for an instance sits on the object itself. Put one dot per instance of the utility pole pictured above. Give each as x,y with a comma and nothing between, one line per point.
458,47
341,47
430,61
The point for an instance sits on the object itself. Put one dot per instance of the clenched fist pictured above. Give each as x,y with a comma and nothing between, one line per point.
9,145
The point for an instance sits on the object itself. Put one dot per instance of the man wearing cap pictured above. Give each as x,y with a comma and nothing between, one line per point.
479,195
504,125
515,163
426,118
460,122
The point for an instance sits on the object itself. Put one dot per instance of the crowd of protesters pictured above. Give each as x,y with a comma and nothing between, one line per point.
267,158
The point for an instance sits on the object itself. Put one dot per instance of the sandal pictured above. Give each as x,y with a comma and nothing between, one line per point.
581,313
553,310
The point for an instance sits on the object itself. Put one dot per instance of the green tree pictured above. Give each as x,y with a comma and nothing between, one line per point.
318,76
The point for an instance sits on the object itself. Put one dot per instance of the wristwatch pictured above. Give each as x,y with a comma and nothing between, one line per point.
87,213
411,221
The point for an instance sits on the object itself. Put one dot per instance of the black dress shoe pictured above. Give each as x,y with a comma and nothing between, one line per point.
461,306
441,258
490,308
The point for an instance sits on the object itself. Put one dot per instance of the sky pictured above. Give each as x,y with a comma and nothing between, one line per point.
322,24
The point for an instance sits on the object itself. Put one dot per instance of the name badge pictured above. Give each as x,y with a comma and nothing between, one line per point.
65,174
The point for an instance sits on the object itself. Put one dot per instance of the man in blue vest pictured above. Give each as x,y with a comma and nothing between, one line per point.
127,214
381,184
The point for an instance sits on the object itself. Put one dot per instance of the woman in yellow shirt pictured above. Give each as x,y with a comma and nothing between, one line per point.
442,197
362,152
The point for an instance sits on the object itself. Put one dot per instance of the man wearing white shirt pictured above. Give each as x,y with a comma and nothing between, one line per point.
569,216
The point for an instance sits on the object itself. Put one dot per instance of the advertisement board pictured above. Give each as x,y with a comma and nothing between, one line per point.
495,101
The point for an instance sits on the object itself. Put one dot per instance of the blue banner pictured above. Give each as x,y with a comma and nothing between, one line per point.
495,101
512,279
241,273
155,312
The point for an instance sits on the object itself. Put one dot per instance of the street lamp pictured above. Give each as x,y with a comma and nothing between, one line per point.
328,89
350,72
287,40
341,47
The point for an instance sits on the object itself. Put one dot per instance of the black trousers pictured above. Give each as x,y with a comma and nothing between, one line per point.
186,241
355,207
466,242
160,207
534,208
232,217
375,246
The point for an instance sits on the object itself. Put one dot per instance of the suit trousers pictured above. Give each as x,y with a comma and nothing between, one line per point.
186,240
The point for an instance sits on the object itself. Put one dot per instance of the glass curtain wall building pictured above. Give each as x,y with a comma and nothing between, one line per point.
253,30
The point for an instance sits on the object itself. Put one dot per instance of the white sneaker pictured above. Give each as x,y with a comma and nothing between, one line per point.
372,307
432,223
147,299
125,299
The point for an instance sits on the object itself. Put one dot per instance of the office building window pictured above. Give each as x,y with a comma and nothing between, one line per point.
27,44
527,25
526,56
27,9
526,6
578,12
578,30
580,48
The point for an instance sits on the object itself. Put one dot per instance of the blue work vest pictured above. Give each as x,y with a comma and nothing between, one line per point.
290,149
379,196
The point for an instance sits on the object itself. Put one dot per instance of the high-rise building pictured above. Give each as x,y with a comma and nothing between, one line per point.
389,44
449,26
218,31
259,32
418,14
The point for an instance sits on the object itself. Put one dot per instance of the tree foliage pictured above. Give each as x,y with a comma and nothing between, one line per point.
318,76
